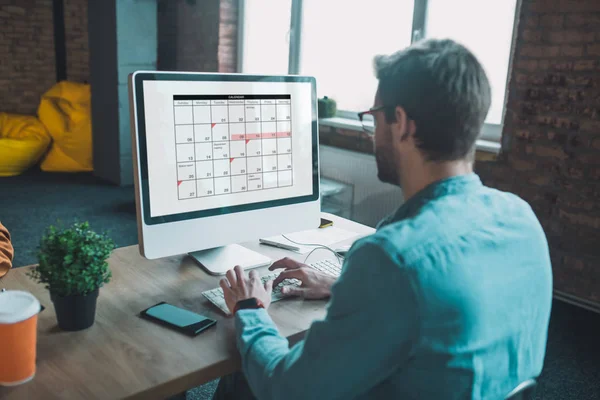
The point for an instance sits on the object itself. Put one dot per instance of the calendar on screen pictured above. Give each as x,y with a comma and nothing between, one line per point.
229,144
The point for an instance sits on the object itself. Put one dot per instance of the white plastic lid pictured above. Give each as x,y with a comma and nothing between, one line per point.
17,306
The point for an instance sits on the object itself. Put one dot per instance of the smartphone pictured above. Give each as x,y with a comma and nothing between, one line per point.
325,223
176,318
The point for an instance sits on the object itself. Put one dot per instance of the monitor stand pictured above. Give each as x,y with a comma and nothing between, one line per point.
220,259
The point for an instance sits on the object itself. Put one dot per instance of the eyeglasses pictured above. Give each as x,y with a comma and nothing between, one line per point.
367,119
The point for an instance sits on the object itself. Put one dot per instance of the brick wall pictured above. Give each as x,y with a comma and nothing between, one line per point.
551,139
193,36
26,54
76,40
27,58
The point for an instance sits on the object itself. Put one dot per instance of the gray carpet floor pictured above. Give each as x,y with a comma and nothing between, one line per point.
31,202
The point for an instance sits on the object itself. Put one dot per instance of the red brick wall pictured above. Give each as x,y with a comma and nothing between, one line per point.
76,39
26,54
198,36
27,58
551,139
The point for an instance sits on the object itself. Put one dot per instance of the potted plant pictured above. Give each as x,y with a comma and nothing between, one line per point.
327,107
72,265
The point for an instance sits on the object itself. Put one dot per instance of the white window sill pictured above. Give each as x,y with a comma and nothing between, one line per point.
353,124
342,123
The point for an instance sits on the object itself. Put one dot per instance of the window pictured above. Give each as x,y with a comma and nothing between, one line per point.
336,40
339,40
486,28
266,27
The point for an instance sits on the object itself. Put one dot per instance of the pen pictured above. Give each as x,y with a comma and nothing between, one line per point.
279,245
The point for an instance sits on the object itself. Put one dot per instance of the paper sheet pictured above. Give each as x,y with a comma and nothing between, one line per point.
321,236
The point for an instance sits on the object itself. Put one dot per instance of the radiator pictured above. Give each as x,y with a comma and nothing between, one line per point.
373,199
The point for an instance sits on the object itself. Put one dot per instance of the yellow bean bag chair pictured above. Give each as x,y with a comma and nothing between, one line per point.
65,111
23,141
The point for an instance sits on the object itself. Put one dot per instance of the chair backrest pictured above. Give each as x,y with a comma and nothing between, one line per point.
524,391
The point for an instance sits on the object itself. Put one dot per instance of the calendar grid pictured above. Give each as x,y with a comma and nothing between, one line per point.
194,141
246,146
229,144
229,152
175,137
291,140
276,145
262,164
212,164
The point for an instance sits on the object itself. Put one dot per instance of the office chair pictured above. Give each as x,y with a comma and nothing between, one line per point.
524,391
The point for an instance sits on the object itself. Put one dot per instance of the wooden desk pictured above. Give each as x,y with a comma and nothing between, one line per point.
124,356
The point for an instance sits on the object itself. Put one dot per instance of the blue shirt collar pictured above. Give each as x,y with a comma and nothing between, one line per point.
441,188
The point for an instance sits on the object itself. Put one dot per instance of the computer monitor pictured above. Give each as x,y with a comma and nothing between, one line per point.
221,159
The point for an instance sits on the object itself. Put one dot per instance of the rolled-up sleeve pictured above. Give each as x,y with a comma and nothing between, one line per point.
369,332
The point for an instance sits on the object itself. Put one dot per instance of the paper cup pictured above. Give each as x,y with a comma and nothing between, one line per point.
18,334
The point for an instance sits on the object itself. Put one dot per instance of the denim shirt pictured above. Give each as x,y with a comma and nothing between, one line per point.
449,299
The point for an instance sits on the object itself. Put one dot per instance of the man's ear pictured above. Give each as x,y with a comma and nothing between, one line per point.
404,127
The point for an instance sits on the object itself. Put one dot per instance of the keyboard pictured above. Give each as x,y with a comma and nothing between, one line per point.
216,297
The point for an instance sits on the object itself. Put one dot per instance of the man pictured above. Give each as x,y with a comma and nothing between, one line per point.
449,299
6,251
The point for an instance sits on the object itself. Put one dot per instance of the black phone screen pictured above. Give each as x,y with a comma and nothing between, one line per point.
182,320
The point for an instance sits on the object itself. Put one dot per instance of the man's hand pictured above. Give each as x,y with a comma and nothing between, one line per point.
239,287
315,284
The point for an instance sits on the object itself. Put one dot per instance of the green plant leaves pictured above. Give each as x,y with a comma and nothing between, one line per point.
72,260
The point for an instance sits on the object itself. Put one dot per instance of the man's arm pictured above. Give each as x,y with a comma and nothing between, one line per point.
369,332
6,251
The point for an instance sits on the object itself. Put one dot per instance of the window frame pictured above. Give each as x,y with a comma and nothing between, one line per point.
490,132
